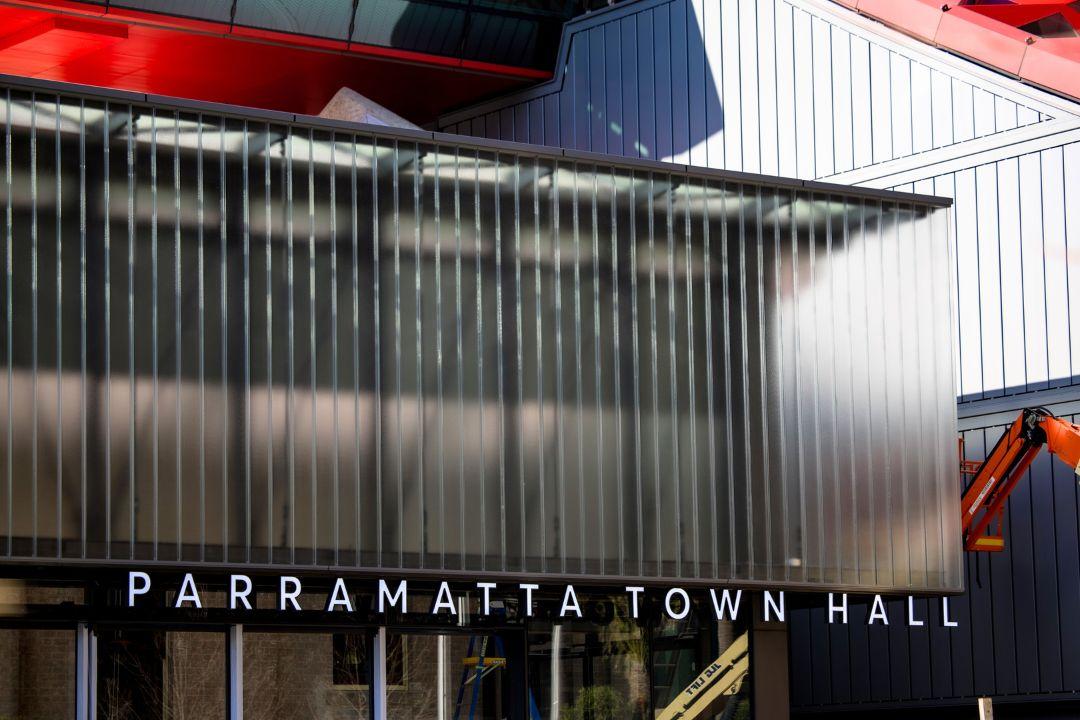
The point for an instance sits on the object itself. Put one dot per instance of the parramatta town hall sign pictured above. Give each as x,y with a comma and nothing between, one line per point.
392,596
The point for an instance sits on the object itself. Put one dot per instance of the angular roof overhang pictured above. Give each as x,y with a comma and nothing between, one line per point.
990,34
221,62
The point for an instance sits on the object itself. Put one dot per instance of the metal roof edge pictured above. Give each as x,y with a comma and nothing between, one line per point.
945,59
544,151
558,77
68,565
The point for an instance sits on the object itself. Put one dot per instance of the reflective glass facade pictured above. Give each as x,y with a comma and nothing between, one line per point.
311,664
257,340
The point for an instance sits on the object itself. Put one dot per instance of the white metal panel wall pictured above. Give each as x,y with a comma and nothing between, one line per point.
809,89
778,87
1017,272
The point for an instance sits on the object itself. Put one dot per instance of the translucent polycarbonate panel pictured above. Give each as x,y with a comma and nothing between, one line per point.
228,339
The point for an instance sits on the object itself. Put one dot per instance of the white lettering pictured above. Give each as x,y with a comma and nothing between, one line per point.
570,602
443,600
773,608
834,608
635,592
235,594
339,596
945,621
397,598
528,588
725,608
685,604
486,587
286,597
142,589
911,621
877,611
188,593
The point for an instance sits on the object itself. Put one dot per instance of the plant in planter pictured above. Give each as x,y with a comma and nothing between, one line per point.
597,703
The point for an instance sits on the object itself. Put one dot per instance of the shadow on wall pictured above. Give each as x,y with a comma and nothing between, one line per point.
640,80
520,34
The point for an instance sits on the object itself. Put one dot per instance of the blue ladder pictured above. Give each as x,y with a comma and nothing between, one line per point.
481,672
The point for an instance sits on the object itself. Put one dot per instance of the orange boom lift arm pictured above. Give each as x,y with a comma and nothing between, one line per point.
994,479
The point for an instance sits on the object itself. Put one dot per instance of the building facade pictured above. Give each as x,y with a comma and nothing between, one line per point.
581,339
814,90
420,393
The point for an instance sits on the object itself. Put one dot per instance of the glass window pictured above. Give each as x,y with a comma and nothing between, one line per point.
305,676
154,674
473,676
37,674
352,660
698,672
609,665
586,669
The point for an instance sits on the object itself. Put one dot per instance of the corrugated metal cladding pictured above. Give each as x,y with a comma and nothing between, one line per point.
779,87
1017,284
250,340
1018,622
807,88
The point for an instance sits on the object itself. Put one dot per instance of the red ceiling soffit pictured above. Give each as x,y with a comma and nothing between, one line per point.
158,54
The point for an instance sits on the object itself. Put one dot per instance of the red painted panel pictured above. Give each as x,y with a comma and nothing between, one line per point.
991,35
1054,64
916,17
137,51
981,38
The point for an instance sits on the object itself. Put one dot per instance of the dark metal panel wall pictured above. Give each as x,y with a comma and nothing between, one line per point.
519,34
238,339
1018,621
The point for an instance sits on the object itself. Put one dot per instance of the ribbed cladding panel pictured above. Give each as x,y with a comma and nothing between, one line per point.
1017,297
1017,623
241,340
780,87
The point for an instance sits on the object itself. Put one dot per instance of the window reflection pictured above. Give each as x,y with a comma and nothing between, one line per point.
598,669
612,666
296,676
456,676
352,661
37,674
698,673
152,675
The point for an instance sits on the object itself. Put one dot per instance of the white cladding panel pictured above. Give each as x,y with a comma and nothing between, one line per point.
1017,273
806,88
774,87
